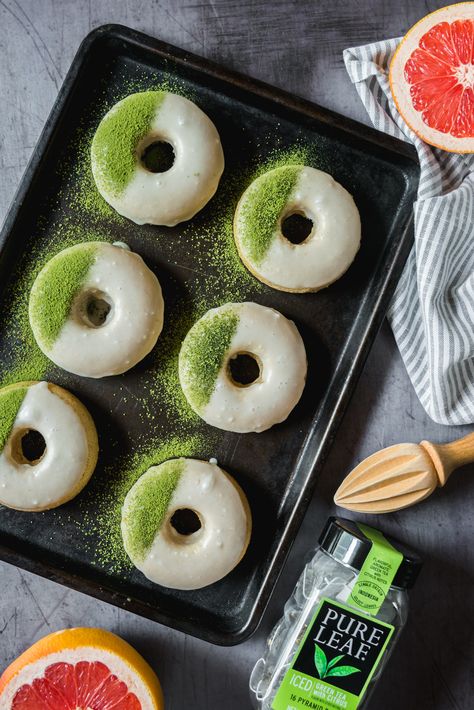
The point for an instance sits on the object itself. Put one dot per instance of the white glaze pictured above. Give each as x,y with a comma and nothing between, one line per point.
328,251
113,661
197,560
178,194
278,347
132,327
60,470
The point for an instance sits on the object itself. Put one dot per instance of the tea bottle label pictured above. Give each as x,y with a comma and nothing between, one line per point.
336,660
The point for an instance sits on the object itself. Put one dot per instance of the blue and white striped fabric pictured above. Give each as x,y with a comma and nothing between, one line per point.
432,312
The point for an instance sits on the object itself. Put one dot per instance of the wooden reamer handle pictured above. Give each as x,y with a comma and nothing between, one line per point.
447,457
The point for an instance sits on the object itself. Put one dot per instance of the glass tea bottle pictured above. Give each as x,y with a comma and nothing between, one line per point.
341,623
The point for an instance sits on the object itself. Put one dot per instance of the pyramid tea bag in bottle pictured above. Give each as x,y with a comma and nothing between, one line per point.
340,624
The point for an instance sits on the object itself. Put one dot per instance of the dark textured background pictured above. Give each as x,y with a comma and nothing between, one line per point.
297,46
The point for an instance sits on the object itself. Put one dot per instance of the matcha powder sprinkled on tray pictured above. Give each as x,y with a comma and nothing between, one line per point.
114,147
101,507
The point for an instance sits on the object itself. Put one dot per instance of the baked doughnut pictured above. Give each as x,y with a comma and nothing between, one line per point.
96,309
42,474
328,250
128,181
186,523
206,363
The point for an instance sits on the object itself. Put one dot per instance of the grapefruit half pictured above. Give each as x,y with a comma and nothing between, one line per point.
80,669
432,78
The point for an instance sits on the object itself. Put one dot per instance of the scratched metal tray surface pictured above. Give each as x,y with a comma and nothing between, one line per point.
278,468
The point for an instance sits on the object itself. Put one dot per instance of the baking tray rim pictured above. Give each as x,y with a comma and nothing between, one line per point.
385,286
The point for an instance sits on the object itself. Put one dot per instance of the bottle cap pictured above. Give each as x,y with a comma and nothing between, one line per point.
346,542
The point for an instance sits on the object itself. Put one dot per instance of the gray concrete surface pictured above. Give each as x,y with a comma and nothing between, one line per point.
296,45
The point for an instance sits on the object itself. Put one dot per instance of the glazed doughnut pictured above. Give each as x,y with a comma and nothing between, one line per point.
119,165
206,359
328,250
70,446
96,309
195,555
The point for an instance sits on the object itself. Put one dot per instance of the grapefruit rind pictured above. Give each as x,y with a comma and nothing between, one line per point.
84,644
401,88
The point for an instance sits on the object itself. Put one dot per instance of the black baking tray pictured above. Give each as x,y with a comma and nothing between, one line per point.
278,468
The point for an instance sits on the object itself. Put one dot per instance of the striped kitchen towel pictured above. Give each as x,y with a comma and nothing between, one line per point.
432,312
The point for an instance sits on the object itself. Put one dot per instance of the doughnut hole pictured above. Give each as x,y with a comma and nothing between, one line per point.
244,369
94,308
185,525
28,446
297,227
158,157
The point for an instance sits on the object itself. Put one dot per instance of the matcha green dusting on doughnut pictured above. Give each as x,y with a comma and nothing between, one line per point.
54,290
10,402
147,506
102,504
203,352
262,207
114,147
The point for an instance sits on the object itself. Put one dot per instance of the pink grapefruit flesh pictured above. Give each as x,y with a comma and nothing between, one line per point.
80,669
432,78
85,685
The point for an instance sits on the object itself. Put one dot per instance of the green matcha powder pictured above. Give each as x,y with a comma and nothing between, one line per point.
147,505
203,353
54,290
114,147
10,403
262,208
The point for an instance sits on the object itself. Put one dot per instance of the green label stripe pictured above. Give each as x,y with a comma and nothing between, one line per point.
303,691
11,399
114,147
320,676
203,353
262,207
55,288
146,506
377,573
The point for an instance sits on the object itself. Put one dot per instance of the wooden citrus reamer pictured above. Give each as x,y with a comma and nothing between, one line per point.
402,475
